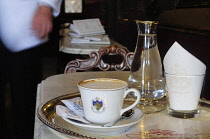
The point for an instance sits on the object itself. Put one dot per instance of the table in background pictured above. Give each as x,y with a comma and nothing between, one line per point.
158,125
79,48
70,51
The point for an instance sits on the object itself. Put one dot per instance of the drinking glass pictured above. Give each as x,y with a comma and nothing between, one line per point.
183,94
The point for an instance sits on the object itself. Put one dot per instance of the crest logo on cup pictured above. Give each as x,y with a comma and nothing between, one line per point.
103,99
98,105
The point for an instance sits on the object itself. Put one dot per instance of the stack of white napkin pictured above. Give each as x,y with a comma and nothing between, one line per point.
88,31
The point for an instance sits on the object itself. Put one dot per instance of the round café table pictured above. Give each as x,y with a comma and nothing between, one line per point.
152,126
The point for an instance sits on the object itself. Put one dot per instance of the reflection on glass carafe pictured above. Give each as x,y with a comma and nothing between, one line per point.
146,69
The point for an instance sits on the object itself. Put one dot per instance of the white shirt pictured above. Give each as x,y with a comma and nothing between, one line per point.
16,22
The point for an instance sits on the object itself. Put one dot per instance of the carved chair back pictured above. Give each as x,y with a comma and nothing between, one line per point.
96,60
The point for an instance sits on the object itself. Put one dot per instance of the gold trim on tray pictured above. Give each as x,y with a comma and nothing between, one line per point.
47,111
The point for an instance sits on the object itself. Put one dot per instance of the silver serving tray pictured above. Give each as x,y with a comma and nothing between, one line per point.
46,112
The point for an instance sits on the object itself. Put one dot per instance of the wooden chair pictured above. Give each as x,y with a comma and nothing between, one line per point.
97,59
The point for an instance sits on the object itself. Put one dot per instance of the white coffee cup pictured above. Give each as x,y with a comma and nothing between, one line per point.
103,99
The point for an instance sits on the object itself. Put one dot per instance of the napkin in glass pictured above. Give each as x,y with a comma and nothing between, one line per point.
184,78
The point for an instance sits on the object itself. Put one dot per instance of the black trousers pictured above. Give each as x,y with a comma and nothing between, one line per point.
22,71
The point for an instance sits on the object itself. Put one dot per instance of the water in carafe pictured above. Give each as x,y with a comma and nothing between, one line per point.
146,68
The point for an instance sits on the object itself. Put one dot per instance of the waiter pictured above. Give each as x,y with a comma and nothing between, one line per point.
24,27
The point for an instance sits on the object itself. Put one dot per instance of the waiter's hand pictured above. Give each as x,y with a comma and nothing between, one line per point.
42,21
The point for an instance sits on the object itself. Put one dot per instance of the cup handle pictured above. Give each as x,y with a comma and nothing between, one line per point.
135,103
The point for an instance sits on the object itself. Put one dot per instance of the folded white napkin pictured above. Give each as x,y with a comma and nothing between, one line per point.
99,39
87,27
179,61
94,38
76,37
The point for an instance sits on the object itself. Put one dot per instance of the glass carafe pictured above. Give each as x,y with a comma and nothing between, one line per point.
146,73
